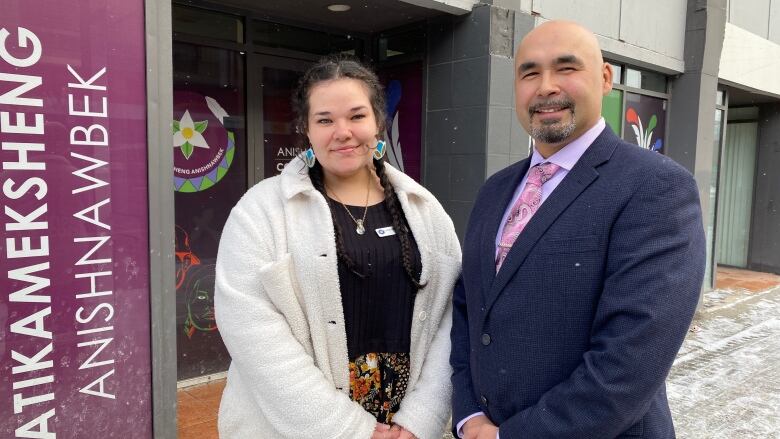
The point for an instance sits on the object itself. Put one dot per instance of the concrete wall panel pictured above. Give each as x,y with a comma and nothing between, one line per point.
600,16
646,34
750,61
515,5
751,15
658,26
774,22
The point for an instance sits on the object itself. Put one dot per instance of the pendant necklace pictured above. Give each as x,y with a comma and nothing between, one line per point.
360,227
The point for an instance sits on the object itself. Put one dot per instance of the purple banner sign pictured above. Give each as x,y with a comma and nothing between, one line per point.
74,305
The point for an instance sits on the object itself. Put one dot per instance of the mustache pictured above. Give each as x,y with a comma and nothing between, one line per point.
560,102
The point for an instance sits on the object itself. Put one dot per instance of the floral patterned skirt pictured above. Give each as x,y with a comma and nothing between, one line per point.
377,381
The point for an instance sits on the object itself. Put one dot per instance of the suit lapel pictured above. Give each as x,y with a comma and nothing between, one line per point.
495,213
575,182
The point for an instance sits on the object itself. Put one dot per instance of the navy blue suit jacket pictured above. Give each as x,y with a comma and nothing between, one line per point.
575,335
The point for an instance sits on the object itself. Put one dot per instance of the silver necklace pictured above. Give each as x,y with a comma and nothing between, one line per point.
360,227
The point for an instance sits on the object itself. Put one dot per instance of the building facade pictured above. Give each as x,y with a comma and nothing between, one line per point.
696,80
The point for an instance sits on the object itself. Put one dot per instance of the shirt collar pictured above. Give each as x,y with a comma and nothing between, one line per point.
568,156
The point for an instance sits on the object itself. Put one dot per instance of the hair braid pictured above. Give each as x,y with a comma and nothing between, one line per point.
316,176
403,232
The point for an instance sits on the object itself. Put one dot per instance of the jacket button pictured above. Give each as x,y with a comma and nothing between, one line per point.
485,339
484,400
423,316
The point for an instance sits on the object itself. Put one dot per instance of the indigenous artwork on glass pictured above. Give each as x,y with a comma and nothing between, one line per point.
403,93
645,121
208,144
203,147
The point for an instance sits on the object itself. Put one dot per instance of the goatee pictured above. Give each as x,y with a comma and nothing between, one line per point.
552,131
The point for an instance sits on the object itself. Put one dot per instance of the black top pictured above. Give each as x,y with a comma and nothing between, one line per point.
378,307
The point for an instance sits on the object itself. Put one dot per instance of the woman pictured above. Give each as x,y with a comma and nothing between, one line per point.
334,283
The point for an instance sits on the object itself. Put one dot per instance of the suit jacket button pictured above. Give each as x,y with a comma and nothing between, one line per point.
484,400
485,339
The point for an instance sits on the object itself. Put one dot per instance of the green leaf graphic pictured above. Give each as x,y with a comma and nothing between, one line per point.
653,121
201,126
187,149
175,126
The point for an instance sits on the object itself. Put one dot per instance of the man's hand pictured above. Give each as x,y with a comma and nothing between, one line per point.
383,431
479,427
402,432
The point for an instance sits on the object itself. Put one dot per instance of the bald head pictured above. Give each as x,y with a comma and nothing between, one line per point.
561,78
567,33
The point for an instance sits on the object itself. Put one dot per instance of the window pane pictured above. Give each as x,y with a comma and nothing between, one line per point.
612,110
208,24
645,121
654,81
279,136
346,44
617,72
407,43
720,97
288,37
633,78
742,113
404,97
646,80
282,36
209,176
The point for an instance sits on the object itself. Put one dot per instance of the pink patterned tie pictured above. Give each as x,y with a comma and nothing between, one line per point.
524,208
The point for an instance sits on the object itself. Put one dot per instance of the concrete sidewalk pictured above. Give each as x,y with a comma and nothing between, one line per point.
725,382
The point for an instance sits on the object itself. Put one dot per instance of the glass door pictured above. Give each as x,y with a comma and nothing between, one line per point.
734,213
276,139
209,177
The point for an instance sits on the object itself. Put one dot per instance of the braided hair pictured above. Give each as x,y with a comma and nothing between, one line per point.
340,67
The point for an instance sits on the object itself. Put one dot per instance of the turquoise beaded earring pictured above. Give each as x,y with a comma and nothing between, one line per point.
308,157
380,149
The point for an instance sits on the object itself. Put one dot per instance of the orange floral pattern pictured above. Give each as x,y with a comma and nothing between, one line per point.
377,381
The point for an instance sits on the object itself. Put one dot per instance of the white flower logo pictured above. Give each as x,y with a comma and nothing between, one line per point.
188,134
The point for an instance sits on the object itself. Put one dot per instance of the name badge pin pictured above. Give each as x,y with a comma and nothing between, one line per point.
385,231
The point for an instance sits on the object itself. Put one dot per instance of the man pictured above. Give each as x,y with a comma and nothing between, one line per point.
582,266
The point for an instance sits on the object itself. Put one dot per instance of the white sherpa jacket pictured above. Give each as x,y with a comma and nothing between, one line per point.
278,308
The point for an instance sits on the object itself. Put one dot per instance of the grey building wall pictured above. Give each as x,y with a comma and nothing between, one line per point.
761,17
507,141
764,247
471,126
657,25
774,21
602,19
692,104
647,34
469,100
